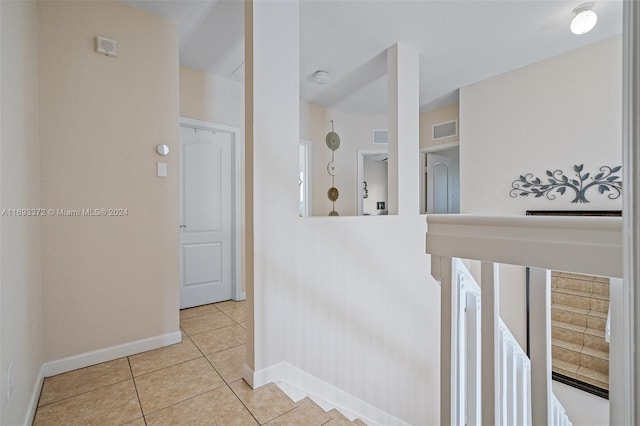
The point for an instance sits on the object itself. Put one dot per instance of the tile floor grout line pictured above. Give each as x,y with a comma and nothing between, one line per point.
221,350
214,329
81,393
135,386
197,315
226,349
286,412
211,329
215,369
187,399
243,404
286,396
169,366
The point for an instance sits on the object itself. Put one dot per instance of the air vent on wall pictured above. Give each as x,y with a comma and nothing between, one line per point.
380,136
445,130
106,46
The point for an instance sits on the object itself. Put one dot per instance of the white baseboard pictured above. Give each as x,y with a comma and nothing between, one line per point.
35,397
108,354
297,384
241,296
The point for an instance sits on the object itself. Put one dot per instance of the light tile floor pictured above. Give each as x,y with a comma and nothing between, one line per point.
195,382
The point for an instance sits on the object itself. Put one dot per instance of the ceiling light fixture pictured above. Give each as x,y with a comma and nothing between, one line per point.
585,19
320,77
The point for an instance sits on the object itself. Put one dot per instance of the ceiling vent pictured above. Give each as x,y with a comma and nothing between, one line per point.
444,130
380,136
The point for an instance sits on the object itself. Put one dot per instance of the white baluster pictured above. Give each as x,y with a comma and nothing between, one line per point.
540,341
441,268
521,392
502,386
491,407
474,343
512,390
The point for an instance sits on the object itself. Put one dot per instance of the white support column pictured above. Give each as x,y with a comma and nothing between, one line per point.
272,134
540,341
403,91
448,304
625,401
490,344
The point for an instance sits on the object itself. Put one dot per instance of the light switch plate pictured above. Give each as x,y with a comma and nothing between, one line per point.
162,169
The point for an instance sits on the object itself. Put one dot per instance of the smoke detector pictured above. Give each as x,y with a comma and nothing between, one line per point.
320,77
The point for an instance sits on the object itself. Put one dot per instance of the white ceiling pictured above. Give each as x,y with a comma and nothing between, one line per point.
460,42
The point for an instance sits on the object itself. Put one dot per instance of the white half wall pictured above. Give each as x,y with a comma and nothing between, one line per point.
347,300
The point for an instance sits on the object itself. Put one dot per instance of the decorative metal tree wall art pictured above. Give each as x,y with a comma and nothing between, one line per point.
333,143
607,181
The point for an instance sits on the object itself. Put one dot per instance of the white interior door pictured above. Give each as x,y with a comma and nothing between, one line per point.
206,230
443,177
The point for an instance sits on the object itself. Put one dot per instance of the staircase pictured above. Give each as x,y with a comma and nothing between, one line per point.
308,412
579,309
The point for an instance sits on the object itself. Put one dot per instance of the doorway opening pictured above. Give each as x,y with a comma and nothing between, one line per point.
440,179
210,213
304,178
373,182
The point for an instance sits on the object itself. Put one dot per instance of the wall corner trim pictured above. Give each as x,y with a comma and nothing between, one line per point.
248,375
35,397
298,384
86,359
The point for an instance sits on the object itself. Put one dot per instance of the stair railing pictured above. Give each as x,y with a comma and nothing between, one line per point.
514,366
497,392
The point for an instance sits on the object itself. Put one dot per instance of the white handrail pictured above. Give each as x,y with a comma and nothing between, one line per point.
589,245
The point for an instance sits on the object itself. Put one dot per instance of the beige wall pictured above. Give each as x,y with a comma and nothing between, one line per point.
440,115
20,279
355,133
211,98
107,280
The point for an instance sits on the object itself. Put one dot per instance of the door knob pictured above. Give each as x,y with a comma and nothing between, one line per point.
183,226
